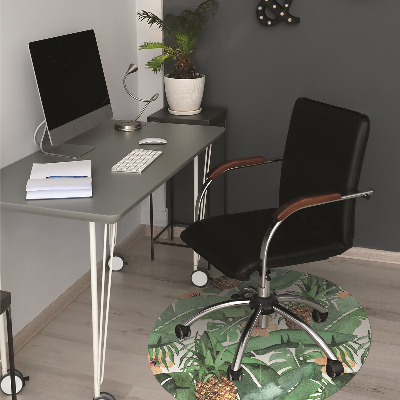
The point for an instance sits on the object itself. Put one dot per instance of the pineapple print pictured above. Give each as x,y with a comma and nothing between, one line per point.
205,364
216,389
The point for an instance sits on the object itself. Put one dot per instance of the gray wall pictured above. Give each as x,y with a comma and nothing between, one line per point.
343,52
42,256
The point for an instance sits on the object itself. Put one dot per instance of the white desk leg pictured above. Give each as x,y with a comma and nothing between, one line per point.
195,195
207,159
95,307
100,325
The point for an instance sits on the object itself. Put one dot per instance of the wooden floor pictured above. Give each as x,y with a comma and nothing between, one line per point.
59,359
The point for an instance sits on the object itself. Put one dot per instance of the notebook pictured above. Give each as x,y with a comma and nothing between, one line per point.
72,179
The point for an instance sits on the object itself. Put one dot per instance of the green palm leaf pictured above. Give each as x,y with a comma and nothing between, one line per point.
155,45
185,28
152,19
156,63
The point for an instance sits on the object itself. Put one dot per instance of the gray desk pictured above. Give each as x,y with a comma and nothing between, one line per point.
114,193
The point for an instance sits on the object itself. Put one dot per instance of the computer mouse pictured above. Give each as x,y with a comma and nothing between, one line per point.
153,140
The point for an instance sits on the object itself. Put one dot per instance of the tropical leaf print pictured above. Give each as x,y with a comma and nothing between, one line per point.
279,363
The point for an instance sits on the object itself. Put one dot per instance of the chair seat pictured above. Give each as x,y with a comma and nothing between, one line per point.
232,243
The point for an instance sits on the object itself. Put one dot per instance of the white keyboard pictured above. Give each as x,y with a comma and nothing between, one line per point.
136,161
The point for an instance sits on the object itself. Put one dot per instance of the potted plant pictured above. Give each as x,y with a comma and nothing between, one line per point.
184,86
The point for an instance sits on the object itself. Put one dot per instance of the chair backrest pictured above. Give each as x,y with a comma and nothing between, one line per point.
324,152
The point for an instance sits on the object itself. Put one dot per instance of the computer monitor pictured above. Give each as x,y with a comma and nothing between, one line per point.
72,89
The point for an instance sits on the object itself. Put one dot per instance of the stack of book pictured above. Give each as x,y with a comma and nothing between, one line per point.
60,180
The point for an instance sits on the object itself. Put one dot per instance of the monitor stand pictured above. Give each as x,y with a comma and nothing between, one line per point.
63,150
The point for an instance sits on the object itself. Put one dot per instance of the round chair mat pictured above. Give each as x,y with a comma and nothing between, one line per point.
279,363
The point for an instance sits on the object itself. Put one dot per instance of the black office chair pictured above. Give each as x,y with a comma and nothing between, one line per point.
321,167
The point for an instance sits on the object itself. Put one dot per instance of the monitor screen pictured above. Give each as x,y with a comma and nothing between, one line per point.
71,84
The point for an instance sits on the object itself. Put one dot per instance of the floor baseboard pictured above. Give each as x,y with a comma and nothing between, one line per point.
49,313
361,253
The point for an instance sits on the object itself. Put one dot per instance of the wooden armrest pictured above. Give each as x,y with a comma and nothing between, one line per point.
304,201
229,164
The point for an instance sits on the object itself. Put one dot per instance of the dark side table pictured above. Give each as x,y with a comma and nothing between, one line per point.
209,116
5,306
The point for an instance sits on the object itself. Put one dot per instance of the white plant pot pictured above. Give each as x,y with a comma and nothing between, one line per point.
184,95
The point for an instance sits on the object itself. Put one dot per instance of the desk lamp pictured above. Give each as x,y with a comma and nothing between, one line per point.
134,125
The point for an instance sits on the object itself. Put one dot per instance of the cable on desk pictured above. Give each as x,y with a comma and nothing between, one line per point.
36,131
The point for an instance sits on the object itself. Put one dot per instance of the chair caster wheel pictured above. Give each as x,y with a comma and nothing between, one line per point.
117,263
334,368
105,396
200,277
319,316
5,382
235,375
182,331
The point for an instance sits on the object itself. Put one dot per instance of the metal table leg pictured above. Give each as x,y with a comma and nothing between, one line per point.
100,325
225,175
11,354
207,160
151,228
171,206
195,194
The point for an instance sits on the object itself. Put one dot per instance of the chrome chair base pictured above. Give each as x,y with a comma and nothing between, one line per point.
262,307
